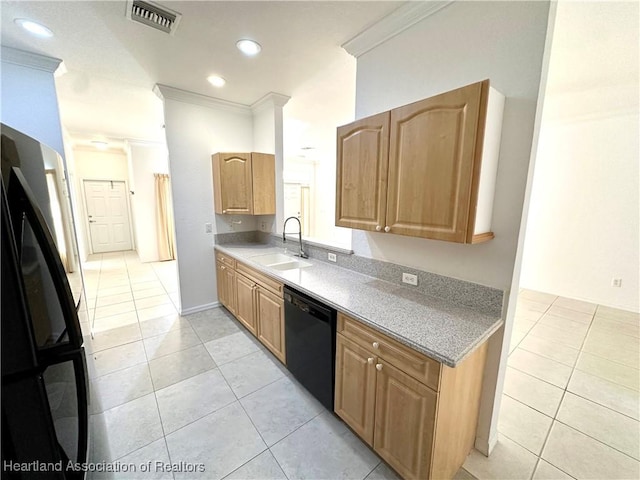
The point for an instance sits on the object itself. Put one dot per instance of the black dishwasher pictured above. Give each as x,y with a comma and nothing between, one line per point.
310,338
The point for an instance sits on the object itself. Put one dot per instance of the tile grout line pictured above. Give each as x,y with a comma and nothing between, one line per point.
153,386
564,391
542,314
555,415
256,428
597,440
126,268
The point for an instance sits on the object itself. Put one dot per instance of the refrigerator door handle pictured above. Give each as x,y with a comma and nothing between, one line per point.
22,204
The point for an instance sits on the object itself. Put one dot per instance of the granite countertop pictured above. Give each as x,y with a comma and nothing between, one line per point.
441,330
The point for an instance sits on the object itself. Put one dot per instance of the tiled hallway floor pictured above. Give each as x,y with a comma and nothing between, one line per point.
199,389
570,406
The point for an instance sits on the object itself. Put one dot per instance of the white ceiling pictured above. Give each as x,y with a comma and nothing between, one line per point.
113,63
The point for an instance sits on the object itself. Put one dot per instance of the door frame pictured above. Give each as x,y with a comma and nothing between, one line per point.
85,221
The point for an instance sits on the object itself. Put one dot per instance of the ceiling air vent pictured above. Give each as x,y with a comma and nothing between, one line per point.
153,15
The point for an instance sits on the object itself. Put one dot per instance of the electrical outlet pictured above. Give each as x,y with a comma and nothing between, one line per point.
616,282
208,228
332,257
263,227
409,278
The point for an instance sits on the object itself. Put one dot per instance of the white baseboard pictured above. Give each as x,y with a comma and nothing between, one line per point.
486,445
199,308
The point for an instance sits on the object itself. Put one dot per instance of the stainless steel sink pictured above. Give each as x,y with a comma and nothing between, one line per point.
279,261
271,259
290,265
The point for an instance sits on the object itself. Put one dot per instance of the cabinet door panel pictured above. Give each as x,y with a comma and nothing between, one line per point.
225,279
355,387
236,191
221,283
270,316
361,180
246,302
404,422
263,170
432,159
229,276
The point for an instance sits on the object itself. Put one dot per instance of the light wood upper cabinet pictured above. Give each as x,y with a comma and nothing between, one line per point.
270,321
439,174
244,183
361,181
263,179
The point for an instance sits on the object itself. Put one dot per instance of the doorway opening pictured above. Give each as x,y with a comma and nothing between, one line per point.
108,216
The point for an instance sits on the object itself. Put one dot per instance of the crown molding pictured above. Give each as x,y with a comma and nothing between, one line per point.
271,99
396,22
30,59
164,92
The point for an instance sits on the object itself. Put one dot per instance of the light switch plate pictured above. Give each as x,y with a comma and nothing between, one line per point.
208,228
409,278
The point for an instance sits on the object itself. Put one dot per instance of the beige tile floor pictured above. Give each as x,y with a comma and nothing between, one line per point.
185,388
570,406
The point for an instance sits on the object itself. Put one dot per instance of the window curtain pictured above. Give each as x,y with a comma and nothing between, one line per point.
164,217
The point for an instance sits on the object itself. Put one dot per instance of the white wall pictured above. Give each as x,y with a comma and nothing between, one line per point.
584,220
144,161
316,108
92,164
264,141
194,132
432,57
463,43
29,102
267,138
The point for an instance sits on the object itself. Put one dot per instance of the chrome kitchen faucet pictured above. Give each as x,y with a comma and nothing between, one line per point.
302,253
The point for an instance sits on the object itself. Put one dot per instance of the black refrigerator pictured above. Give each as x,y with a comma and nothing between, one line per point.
44,398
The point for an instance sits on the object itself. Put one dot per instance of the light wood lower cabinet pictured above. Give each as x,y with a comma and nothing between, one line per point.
420,416
226,286
255,300
271,322
355,397
245,303
405,419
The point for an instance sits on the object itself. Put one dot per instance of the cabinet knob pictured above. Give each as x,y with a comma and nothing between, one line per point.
224,211
222,267
370,360
375,345
378,366
378,228
387,229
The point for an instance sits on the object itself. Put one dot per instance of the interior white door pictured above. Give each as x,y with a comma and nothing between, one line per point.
108,215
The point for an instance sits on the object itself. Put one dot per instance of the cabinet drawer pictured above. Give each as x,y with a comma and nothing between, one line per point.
225,259
419,366
266,282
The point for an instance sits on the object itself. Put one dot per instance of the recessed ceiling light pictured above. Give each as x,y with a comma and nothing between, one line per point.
248,47
216,81
33,27
99,144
